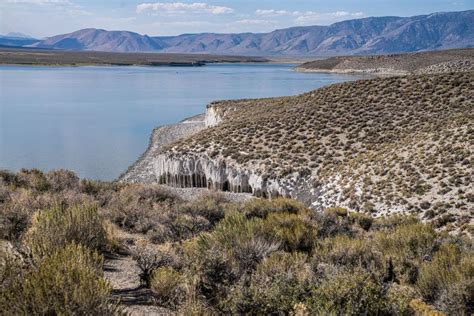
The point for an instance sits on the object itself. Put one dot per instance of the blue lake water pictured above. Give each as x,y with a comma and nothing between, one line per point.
97,121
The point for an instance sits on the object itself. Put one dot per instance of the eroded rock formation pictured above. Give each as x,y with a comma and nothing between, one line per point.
186,171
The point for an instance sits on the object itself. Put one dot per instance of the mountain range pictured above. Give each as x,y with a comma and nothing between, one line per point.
373,35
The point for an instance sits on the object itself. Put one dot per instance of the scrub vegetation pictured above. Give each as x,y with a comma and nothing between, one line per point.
399,144
213,256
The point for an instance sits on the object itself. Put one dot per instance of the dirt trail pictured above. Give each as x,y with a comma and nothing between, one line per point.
123,274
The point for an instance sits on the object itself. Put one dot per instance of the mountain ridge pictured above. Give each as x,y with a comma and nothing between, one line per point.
372,35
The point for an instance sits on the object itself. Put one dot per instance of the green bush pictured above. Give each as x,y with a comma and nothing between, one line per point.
34,179
167,286
232,250
280,282
345,252
62,180
407,246
211,208
349,292
52,229
338,211
69,281
262,207
241,239
363,220
293,232
399,298
448,281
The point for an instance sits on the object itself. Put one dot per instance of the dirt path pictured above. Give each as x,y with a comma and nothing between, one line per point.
123,274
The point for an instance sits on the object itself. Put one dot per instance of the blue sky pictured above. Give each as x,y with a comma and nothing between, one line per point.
42,18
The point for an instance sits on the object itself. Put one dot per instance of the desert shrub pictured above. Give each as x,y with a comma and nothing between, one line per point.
293,232
262,207
393,221
210,207
228,253
184,226
349,292
363,220
11,269
344,252
52,229
60,180
139,208
112,240
329,225
8,178
216,272
447,281
33,179
13,221
167,286
148,260
242,239
280,282
69,281
399,298
407,246
338,211
4,194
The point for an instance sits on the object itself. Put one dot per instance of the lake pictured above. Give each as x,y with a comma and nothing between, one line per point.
97,121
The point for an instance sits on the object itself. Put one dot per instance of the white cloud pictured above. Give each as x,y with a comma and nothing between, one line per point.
176,8
272,12
305,17
254,22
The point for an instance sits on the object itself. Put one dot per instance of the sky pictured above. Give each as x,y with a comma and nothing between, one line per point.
42,18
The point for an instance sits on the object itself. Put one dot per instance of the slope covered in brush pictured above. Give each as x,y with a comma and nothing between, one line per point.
393,144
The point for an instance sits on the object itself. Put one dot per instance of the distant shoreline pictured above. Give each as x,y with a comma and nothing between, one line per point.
41,57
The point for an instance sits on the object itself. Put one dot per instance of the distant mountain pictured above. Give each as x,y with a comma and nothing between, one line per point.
376,35
18,35
16,39
102,40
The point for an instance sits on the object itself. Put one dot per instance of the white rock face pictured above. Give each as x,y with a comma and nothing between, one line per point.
212,117
186,171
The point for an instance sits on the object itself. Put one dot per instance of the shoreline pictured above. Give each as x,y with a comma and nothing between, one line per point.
371,72
161,136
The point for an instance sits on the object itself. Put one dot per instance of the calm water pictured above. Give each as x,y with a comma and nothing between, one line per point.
97,120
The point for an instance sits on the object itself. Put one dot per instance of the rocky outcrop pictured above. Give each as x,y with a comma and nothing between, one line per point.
212,116
201,171
186,171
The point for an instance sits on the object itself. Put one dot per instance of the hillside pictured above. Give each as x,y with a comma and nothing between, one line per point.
374,35
401,144
410,63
